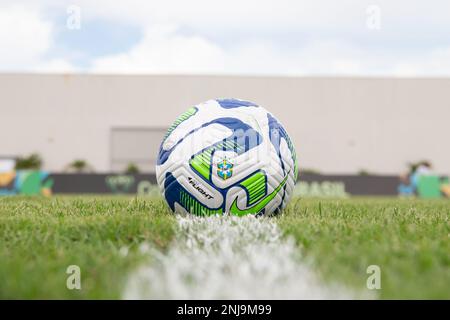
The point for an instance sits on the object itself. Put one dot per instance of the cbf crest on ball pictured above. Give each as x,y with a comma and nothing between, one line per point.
224,168
227,156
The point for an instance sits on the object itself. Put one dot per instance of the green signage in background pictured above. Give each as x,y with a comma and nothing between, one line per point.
429,187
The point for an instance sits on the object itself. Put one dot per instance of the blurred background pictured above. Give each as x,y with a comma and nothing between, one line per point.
90,88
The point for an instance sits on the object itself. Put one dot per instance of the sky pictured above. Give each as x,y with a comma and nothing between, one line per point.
239,37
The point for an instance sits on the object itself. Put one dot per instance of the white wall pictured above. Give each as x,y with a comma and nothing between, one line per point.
339,125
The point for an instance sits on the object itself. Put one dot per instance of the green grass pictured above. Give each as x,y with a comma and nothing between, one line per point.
41,237
408,239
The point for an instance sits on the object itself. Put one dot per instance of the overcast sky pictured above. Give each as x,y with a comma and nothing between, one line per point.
248,37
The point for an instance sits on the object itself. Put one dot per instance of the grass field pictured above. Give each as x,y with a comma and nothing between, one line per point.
40,237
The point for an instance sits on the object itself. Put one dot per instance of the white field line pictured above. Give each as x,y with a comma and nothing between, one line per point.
228,258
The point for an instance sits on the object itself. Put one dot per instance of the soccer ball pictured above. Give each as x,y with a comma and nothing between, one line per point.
227,156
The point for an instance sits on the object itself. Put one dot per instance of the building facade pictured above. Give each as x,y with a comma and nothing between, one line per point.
338,125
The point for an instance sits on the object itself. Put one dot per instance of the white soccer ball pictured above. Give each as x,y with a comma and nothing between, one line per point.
227,156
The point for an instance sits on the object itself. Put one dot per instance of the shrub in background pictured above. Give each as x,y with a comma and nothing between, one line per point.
31,162
132,169
79,166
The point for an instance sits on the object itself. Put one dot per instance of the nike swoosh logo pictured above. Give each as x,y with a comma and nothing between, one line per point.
260,205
